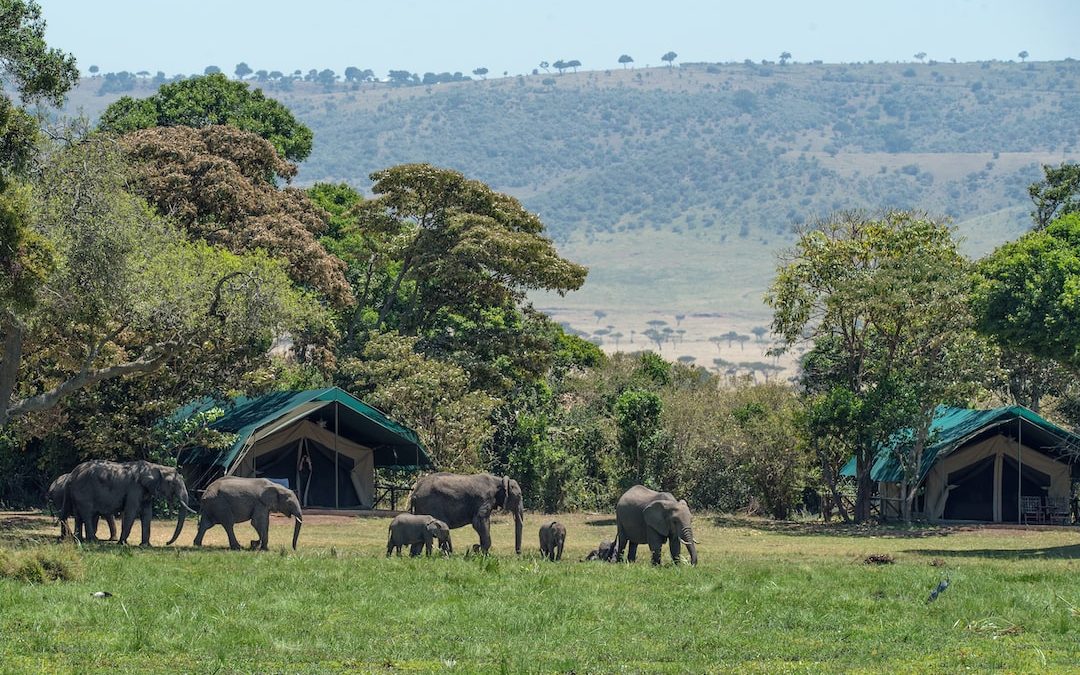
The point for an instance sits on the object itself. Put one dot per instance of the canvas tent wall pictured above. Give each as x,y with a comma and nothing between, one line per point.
324,444
979,463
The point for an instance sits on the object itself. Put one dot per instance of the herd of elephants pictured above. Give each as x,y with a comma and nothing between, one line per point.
439,503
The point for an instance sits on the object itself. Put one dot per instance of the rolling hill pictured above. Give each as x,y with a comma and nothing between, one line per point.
679,186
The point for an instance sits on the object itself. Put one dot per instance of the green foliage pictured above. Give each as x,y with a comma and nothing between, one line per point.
637,418
209,100
1057,194
38,71
1027,292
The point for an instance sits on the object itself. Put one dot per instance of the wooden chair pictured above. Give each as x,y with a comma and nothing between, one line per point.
1031,510
1057,510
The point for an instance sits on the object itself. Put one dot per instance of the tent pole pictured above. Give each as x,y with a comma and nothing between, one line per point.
337,503
1019,468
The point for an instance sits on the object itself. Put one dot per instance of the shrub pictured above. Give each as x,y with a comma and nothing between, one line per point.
42,565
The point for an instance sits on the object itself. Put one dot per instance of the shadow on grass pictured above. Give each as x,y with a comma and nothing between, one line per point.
1069,552
601,522
839,529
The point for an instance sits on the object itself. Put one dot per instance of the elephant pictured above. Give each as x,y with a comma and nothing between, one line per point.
603,552
55,497
418,532
460,500
645,516
231,499
100,488
552,540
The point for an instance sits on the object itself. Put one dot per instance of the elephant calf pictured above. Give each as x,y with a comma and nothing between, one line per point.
604,552
232,500
552,539
417,532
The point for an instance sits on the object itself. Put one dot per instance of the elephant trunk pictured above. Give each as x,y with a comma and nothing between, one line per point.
691,544
296,531
184,508
519,521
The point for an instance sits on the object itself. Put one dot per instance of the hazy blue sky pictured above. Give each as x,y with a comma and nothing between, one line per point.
514,36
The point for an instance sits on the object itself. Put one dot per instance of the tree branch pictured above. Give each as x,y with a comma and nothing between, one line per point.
9,368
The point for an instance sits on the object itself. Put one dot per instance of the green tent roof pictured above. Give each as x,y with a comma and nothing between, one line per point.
393,444
954,427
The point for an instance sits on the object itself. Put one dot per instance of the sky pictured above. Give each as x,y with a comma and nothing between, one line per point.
514,37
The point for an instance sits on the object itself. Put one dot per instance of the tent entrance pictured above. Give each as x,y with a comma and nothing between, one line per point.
1032,483
972,498
308,468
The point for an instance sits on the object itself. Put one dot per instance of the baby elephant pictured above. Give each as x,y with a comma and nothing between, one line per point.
417,531
552,539
232,500
603,552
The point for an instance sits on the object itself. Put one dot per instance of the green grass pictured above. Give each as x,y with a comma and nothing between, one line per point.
765,598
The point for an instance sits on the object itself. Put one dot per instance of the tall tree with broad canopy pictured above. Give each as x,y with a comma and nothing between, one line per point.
212,100
125,292
883,302
1057,194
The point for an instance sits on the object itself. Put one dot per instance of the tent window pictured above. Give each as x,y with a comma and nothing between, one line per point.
973,496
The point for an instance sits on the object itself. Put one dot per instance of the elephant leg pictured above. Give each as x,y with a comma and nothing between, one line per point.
482,525
675,546
631,554
619,547
110,520
127,521
94,524
416,549
146,515
204,525
230,530
427,544
389,547
83,519
656,545
260,520
558,556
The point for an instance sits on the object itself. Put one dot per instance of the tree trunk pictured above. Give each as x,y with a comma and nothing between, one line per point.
864,485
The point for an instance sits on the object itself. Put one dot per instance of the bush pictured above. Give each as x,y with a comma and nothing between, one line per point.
42,565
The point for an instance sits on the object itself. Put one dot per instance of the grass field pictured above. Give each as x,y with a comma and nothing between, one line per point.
767,597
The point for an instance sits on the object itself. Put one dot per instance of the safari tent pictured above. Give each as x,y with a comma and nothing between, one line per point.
980,463
324,444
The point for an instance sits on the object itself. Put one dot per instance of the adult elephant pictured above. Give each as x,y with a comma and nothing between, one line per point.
460,500
63,510
231,499
99,488
645,516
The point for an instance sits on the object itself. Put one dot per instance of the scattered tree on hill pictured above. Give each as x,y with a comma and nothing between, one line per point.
94,70
1023,55
560,66
716,340
686,359
210,100
242,70
599,314
327,78
669,58
626,60
211,70
616,336
921,56
759,332
679,319
481,73
742,339
544,65
575,64
402,77
784,58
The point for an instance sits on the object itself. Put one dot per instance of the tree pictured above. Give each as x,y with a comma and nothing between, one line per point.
242,70
401,77
1023,55
637,418
560,66
921,56
784,58
126,294
626,60
481,73
669,58
227,195
211,70
352,74
575,64
1025,292
545,66
94,70
599,314
1057,194
759,332
210,100
327,78
878,298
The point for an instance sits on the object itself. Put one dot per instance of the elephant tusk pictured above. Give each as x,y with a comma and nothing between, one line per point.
299,519
191,510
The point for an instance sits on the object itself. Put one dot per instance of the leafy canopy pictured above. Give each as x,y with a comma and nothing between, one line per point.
212,100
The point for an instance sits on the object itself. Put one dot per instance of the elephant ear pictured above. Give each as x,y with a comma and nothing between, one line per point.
656,517
269,496
150,478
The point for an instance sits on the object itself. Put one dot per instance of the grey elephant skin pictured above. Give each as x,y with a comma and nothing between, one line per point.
63,511
604,552
418,533
645,516
460,500
100,488
231,500
552,540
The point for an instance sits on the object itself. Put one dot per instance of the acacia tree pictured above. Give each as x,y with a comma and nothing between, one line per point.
669,58
878,299
626,60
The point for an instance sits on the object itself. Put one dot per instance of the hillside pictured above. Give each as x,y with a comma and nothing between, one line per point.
678,187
